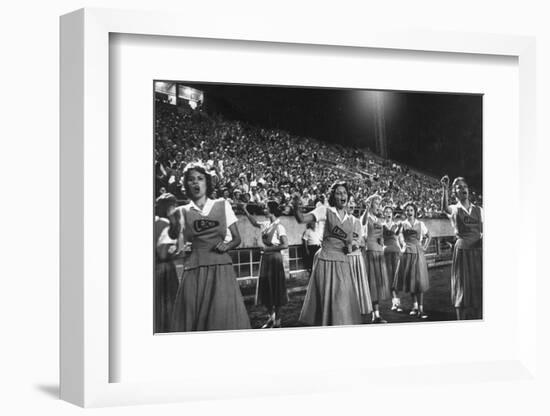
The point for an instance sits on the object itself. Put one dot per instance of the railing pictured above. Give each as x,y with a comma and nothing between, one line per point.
246,261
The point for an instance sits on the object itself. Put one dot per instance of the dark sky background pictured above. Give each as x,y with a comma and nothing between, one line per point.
435,132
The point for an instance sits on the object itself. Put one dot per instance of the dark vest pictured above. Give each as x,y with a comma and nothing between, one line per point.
412,237
468,228
336,236
390,238
204,232
374,235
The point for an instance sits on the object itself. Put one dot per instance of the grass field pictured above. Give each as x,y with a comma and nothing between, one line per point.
437,302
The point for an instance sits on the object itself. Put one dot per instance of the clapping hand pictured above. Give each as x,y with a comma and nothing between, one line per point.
445,181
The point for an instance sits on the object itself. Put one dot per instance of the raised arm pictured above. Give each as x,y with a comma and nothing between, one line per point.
445,195
299,215
251,218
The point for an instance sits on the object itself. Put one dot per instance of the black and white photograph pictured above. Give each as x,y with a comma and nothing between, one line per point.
283,206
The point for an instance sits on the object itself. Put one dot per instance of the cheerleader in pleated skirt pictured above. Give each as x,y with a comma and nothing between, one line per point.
331,298
272,292
466,270
166,279
209,297
392,253
379,282
358,268
412,274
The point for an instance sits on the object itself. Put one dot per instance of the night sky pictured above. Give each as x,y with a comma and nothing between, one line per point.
433,132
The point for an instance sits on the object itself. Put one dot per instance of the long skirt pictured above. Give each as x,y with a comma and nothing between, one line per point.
331,298
208,299
466,278
272,281
412,275
379,282
392,263
166,287
360,282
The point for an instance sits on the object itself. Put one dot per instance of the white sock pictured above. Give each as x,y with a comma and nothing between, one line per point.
377,313
415,305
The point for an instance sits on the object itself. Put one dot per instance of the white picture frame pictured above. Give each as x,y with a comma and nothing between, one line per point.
85,211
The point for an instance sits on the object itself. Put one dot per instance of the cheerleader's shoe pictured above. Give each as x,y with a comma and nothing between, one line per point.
269,323
396,305
379,320
277,323
413,312
423,315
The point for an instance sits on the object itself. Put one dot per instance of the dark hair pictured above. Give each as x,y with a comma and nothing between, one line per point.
164,202
332,191
412,204
388,207
274,208
199,167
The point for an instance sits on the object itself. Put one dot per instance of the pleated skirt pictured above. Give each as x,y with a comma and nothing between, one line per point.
379,282
466,278
412,275
331,298
208,299
360,282
166,288
272,281
392,263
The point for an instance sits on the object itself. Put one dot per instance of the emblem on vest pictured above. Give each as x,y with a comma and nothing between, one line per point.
355,235
470,220
203,225
339,233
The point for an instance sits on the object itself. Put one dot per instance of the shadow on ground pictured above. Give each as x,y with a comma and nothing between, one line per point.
437,302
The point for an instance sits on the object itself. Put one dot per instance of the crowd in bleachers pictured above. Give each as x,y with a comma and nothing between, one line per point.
251,165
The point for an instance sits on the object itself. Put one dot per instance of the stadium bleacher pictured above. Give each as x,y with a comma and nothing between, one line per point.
274,164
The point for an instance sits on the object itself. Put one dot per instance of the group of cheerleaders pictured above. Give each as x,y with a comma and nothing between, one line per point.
361,262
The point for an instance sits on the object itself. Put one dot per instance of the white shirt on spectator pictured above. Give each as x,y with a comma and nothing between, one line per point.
311,237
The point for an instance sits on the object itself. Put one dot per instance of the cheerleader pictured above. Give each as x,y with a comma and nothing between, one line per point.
209,297
392,252
466,270
271,291
377,273
331,298
358,268
412,274
166,279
